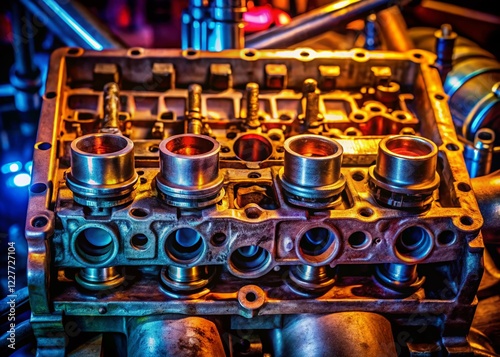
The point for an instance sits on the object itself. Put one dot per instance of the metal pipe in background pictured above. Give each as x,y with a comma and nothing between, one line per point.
487,191
315,23
73,23
393,28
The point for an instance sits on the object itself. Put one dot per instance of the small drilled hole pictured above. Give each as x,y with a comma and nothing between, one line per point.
417,55
438,96
38,187
280,149
140,172
401,116
358,240
360,54
218,239
249,53
231,135
466,220
359,116
138,212
485,135
50,95
225,149
143,180
153,148
43,146
452,147
462,186
191,52
250,296
375,109
366,212
358,176
254,175
446,237
39,222
135,52
139,241
304,54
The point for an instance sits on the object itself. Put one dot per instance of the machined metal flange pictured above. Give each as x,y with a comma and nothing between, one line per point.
189,171
311,174
102,170
405,174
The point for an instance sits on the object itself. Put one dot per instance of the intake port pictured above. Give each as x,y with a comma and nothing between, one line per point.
102,170
317,246
253,148
95,245
189,171
185,246
250,261
404,176
311,174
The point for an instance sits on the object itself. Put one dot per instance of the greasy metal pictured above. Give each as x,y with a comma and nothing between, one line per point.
479,156
231,257
487,192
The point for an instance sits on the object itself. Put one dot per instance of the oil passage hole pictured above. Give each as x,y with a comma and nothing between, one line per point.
253,148
452,147
189,145
358,176
218,239
464,187
139,212
366,212
102,144
466,220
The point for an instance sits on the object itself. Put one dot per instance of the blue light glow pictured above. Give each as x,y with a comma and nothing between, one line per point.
11,167
22,180
29,166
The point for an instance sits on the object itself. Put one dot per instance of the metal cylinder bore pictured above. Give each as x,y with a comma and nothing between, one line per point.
311,174
189,171
102,170
405,173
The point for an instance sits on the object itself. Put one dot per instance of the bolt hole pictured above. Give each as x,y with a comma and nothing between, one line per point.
401,116
304,54
38,187
139,212
43,146
359,116
39,222
439,96
50,95
143,180
154,148
254,175
462,186
253,212
135,52
218,239
191,52
231,135
360,54
466,220
366,212
417,55
251,296
73,51
375,109
139,241
249,53
446,237
452,147
280,149
358,176
225,149
140,172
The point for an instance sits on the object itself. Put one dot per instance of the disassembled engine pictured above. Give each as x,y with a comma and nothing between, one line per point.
252,203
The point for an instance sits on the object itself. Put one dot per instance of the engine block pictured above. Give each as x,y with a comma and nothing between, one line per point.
252,195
